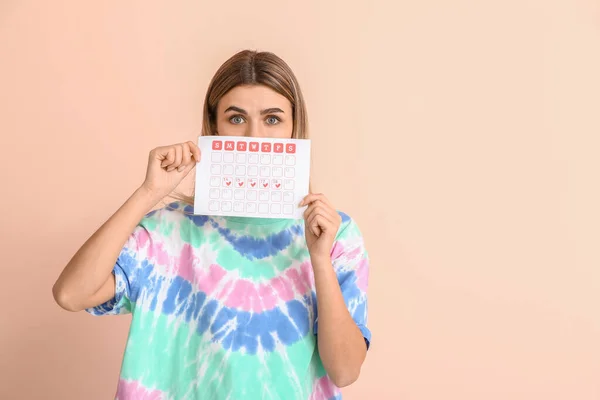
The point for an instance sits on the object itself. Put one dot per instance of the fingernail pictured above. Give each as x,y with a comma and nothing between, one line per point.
181,168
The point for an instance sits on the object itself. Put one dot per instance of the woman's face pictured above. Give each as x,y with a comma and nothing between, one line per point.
254,111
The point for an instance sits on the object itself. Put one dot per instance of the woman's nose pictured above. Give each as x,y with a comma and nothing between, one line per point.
255,129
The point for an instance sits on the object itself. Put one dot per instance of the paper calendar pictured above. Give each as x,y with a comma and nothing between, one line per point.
252,177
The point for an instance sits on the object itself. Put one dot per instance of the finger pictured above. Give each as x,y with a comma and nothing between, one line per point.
318,220
159,153
326,209
168,155
186,157
177,161
313,226
310,214
186,170
325,224
195,151
319,224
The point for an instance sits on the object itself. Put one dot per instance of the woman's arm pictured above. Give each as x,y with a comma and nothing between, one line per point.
341,344
87,280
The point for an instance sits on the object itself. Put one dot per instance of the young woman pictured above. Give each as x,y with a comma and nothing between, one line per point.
224,307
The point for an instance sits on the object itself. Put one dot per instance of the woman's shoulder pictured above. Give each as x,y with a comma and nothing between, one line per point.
345,217
348,227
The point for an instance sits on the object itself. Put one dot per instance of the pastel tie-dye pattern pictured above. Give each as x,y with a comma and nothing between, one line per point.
225,308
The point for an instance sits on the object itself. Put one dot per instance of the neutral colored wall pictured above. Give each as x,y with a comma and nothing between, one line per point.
463,136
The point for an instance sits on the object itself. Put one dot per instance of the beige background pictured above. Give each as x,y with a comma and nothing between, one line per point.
462,135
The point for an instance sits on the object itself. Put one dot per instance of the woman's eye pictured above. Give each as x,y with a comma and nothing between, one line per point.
273,120
236,120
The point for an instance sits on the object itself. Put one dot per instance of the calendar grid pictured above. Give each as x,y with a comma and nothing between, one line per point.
254,177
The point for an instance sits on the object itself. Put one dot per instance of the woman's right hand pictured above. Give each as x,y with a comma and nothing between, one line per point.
168,165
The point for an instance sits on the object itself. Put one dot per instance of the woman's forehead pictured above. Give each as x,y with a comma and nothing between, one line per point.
254,98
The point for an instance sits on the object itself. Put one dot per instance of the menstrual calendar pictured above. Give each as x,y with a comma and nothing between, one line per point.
252,177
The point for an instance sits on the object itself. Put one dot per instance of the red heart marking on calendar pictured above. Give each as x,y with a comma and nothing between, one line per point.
253,184
265,184
277,185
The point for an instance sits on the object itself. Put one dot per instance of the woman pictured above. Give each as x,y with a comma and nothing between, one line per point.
229,307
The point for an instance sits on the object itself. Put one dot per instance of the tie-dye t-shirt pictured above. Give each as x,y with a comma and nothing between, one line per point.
225,308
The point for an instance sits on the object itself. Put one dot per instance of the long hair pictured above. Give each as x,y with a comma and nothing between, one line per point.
252,68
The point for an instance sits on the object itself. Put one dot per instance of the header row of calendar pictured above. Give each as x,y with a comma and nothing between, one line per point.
230,145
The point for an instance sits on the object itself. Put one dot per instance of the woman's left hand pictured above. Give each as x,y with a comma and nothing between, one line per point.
321,226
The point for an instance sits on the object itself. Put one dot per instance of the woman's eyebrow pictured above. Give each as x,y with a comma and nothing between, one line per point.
236,109
271,111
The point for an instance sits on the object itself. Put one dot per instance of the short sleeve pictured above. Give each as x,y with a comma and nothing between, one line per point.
128,272
351,263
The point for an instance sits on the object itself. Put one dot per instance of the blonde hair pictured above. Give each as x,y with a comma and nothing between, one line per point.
252,68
